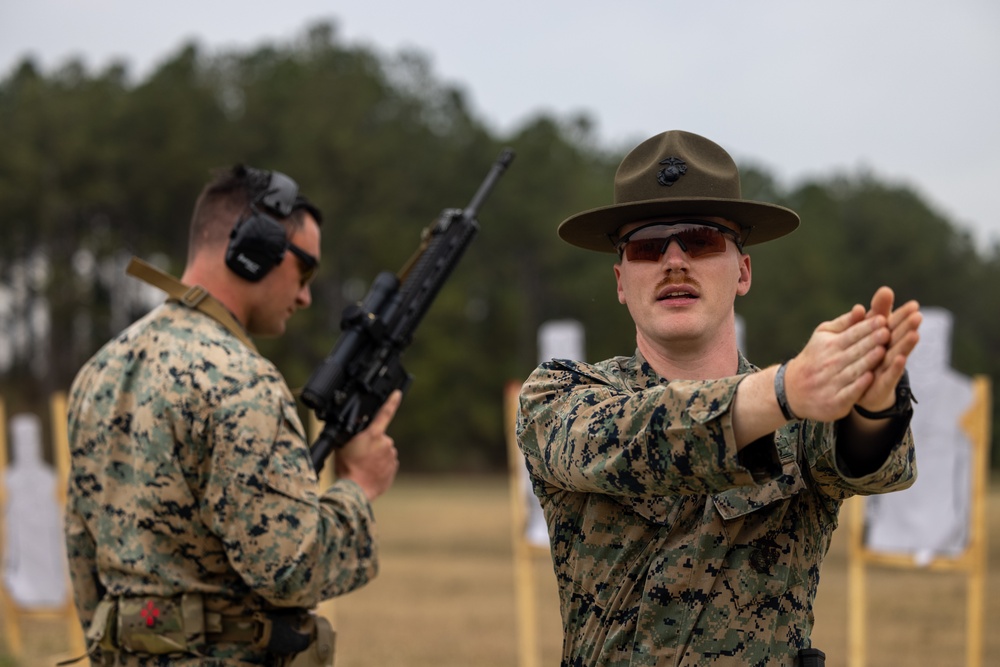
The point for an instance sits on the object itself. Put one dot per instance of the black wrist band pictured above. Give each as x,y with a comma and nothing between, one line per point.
902,406
779,392
883,414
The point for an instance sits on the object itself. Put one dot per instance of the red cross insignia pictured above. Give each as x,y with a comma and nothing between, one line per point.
150,613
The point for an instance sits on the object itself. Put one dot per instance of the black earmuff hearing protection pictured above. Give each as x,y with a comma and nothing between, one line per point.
258,242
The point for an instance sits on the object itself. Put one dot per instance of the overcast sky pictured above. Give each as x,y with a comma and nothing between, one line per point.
907,89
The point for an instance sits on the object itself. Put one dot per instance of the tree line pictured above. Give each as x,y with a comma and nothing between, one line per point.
95,168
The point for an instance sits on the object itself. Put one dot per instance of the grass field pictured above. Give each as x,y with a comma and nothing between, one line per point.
445,596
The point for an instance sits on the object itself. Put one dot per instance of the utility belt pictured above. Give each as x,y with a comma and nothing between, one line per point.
154,625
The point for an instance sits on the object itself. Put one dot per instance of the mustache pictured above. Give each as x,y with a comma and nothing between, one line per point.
677,281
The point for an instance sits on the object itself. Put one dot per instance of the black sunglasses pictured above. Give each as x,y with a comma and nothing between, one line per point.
308,264
695,237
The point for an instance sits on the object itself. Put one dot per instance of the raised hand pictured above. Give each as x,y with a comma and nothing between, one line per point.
370,458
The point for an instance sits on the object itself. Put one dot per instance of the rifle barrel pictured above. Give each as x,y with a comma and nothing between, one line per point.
501,164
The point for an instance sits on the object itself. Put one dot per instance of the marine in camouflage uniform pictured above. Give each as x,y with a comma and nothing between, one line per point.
191,475
674,543
669,548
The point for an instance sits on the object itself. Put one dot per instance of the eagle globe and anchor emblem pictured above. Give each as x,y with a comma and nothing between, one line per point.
673,169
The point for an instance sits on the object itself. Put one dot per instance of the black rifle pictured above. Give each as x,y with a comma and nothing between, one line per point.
364,366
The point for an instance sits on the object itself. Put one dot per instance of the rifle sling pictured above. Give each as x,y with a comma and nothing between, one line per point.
196,297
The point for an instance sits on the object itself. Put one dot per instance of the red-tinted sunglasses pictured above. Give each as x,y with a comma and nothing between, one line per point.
695,237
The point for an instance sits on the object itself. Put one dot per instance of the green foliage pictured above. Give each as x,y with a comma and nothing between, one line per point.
93,166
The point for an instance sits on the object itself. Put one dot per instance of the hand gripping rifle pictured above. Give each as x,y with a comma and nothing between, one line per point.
364,366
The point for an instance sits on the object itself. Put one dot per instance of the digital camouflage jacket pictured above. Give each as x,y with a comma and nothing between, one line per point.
669,547
191,473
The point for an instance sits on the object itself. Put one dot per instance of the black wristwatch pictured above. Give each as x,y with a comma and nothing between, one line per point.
902,407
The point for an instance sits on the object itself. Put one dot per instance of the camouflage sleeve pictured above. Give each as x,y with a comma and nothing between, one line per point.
832,475
81,552
288,544
583,431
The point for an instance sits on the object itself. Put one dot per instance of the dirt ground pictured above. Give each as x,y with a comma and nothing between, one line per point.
446,594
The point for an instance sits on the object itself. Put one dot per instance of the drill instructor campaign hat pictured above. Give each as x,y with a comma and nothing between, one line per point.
677,173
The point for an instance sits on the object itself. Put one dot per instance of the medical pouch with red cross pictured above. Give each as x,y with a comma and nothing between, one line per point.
160,625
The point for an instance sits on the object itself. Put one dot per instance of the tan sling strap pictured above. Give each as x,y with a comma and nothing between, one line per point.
196,297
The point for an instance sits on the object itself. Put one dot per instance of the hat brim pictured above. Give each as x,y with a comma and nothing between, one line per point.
593,229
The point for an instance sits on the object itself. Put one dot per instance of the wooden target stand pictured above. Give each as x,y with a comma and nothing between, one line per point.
976,423
14,614
525,551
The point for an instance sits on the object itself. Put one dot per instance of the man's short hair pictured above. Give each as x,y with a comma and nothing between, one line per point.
227,198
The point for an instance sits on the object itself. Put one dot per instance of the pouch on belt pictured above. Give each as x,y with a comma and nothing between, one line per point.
158,625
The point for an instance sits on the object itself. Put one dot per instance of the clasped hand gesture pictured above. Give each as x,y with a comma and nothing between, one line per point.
856,359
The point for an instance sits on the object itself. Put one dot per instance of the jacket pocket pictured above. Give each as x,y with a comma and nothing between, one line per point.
763,530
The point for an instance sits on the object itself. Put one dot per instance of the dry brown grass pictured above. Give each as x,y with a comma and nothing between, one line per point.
445,596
